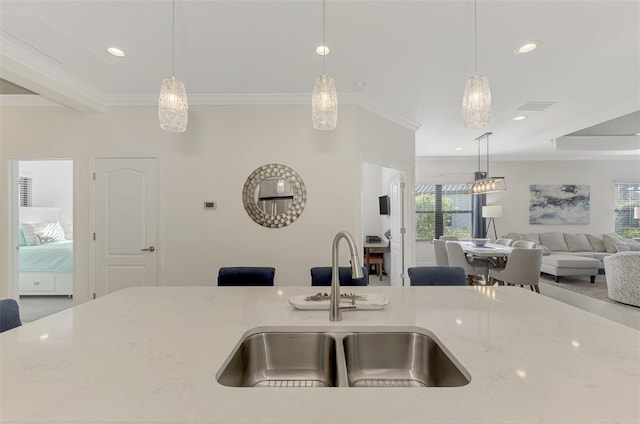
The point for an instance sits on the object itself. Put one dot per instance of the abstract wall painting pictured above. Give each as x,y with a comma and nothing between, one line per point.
559,204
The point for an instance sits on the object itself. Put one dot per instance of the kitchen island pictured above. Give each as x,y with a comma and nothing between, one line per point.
152,355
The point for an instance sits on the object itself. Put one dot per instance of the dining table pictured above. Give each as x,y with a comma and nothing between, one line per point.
497,254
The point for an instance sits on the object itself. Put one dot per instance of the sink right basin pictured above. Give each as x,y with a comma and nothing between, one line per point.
398,359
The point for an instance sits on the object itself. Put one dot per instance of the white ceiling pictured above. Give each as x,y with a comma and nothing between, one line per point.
414,57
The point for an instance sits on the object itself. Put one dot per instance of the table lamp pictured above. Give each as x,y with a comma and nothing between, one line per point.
492,212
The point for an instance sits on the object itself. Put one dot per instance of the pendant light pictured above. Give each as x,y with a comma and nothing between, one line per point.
488,184
173,108
324,101
476,100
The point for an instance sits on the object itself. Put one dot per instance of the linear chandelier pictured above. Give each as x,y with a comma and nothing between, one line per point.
487,184
173,107
324,100
476,100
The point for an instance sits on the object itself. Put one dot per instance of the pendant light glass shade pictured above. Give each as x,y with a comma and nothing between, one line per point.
173,108
324,104
476,103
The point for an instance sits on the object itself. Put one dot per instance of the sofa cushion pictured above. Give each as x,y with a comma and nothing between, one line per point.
570,261
596,243
610,240
601,255
554,241
627,246
577,243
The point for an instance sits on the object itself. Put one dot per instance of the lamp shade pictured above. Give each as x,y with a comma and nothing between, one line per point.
476,103
636,212
491,211
173,109
324,104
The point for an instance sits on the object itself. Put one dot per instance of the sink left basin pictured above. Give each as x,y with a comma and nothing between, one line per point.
282,359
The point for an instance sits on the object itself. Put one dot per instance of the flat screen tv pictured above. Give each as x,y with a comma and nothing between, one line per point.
385,205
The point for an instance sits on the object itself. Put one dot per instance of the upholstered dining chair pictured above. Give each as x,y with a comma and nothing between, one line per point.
440,249
523,268
504,241
321,276
437,276
524,244
246,276
445,238
9,315
473,267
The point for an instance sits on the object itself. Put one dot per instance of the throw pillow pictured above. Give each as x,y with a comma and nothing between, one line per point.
50,233
554,241
23,240
532,237
610,240
29,231
578,243
596,243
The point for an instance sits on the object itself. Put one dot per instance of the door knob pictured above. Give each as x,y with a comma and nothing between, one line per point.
148,249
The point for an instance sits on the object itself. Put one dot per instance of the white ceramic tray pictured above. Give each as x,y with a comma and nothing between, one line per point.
371,301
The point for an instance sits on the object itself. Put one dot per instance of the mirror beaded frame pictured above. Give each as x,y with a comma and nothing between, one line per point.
297,205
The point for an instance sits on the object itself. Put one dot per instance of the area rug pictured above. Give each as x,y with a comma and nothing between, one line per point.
582,285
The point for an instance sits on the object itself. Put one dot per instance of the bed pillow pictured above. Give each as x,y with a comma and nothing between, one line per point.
50,233
23,240
29,231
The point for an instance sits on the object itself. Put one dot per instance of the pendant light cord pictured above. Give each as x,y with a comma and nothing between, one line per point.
475,33
324,41
173,38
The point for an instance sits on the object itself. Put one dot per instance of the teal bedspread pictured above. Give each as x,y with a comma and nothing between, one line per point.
50,257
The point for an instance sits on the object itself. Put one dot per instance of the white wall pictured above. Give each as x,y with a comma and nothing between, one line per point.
374,184
599,175
52,186
211,161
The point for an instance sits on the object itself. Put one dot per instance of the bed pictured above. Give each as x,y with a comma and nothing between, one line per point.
46,268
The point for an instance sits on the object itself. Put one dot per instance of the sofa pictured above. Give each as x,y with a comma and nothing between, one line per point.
567,254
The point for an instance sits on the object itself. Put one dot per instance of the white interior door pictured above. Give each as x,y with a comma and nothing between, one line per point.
125,224
398,232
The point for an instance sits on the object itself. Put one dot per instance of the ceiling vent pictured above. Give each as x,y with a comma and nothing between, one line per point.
535,106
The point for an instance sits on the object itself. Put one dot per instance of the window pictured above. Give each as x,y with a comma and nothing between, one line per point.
443,209
24,190
627,197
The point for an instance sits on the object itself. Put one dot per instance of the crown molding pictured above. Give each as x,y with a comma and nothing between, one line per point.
26,100
23,67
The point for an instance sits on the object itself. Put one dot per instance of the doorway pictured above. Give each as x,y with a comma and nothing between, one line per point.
43,222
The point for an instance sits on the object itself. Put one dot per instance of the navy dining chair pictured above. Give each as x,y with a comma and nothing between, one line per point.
321,276
437,276
9,315
246,276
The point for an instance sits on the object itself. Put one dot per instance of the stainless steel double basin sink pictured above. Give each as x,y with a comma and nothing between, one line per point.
341,357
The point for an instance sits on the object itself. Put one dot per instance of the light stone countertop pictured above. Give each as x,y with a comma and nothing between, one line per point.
152,354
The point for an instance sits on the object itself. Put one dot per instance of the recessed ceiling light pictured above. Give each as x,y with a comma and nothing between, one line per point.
519,118
458,148
114,51
527,47
322,50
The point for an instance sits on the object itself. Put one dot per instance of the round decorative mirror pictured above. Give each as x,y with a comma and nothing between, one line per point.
274,195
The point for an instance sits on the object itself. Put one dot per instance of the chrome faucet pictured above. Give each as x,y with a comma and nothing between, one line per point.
335,313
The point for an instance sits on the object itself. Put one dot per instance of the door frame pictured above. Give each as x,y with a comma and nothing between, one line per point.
12,273
92,217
